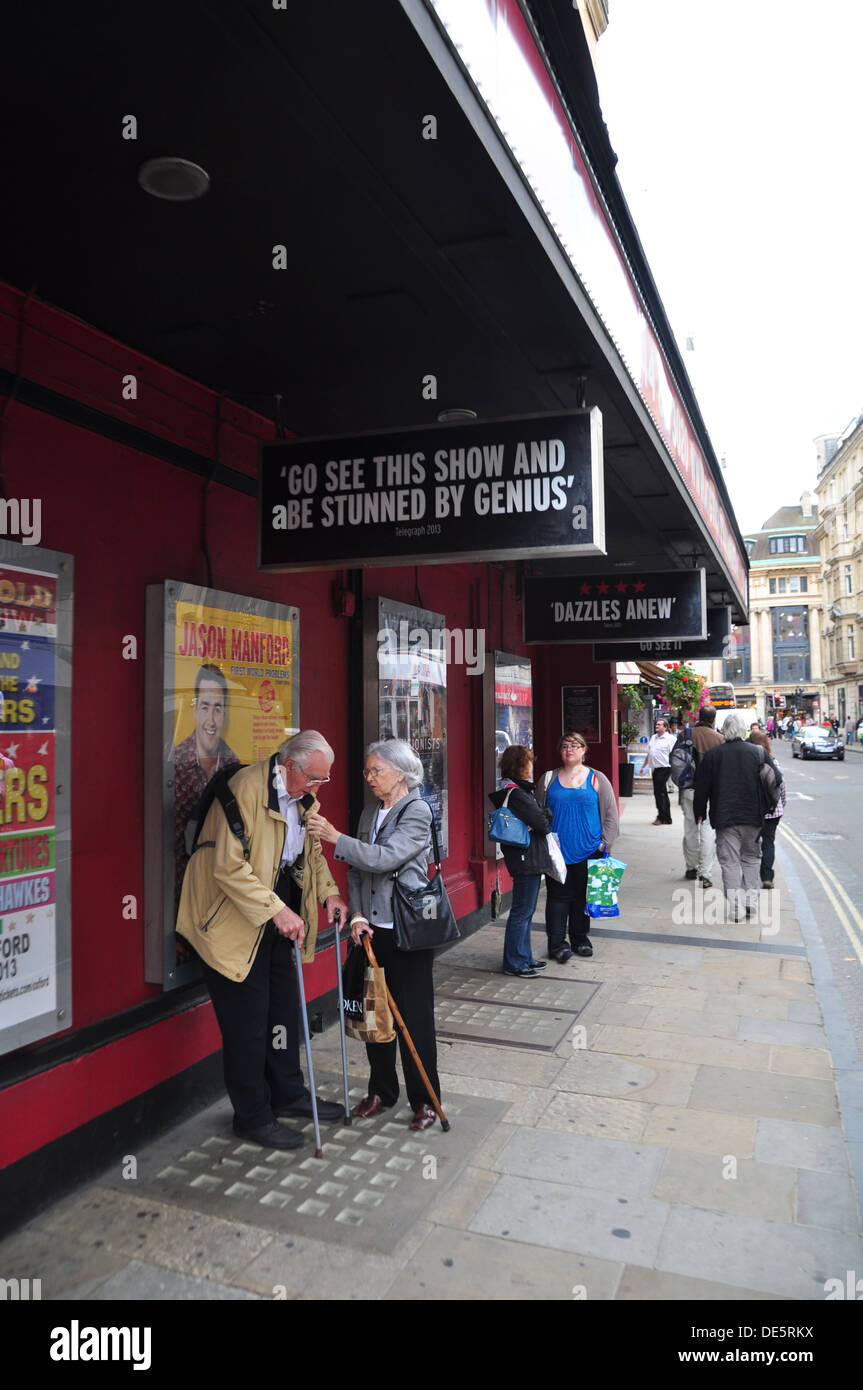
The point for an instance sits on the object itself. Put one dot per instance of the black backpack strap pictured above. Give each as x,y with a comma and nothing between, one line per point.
232,815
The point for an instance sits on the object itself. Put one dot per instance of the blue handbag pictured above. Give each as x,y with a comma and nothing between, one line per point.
505,827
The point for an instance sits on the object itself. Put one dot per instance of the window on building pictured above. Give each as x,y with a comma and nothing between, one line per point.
772,583
804,584
848,588
738,668
785,545
790,630
845,526
794,585
850,644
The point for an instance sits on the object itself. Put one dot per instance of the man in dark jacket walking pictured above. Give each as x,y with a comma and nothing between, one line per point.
729,779
699,840
525,863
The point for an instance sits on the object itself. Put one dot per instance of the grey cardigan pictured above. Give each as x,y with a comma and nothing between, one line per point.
403,846
608,814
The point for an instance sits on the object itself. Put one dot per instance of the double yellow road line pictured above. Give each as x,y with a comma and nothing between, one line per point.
845,910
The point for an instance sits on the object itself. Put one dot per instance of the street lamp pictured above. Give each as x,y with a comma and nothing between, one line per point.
798,696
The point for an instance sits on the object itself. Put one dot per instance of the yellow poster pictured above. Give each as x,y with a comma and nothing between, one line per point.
232,699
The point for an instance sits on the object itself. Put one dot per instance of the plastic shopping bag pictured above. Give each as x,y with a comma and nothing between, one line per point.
603,884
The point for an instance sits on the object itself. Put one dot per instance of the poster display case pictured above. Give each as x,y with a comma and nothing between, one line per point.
222,688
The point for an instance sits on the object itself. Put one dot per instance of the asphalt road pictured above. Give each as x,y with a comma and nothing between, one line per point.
822,833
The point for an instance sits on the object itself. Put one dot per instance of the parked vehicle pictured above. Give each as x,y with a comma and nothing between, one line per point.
814,741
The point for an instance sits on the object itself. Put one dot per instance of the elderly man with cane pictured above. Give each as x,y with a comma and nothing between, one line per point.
250,894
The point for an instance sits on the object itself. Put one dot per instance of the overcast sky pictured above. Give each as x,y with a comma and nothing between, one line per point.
739,131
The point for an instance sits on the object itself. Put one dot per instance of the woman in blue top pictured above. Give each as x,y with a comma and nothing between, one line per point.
586,822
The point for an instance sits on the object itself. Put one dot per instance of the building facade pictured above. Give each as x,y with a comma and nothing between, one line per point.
839,535
775,662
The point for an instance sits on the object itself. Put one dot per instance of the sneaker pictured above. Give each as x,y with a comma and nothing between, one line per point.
691,873
767,883
526,974
706,882
538,964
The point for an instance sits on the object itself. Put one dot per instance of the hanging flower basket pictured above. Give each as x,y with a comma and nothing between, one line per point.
684,692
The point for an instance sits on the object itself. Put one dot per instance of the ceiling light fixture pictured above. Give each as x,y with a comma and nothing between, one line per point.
174,180
457,415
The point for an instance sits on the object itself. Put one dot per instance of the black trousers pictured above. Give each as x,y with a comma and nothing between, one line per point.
409,976
660,794
564,907
768,847
259,1018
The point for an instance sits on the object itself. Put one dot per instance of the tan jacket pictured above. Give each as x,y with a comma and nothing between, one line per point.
227,899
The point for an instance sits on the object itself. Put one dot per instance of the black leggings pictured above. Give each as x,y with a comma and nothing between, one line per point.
564,907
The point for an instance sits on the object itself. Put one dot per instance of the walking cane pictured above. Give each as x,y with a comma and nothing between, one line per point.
337,922
400,1023
318,1150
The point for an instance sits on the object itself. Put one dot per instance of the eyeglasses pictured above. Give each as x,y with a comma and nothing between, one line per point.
375,772
310,781
567,743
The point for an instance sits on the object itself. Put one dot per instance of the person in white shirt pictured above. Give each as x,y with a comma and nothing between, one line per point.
658,754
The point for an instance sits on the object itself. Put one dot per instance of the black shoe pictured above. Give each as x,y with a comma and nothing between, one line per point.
584,948
541,964
706,882
561,956
691,873
272,1136
525,974
302,1109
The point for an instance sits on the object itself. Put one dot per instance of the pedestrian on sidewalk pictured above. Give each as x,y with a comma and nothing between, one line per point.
585,820
525,863
658,753
849,729
242,907
393,833
729,780
699,840
770,823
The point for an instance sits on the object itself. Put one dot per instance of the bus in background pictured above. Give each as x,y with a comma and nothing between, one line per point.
722,696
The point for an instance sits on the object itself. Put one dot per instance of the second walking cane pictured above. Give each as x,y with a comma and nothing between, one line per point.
337,921
319,1153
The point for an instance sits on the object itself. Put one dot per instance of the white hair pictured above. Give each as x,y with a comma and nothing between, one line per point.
736,727
402,757
301,746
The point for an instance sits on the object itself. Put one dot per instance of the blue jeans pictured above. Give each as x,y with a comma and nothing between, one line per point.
517,954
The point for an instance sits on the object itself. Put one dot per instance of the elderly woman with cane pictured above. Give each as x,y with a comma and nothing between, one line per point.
393,835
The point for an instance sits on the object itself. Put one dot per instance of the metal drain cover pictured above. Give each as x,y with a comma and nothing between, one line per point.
487,1007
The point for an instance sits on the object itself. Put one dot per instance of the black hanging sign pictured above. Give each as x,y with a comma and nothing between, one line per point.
509,489
611,607
714,645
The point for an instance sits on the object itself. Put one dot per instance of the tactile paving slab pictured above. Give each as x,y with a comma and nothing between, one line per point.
373,1182
485,1006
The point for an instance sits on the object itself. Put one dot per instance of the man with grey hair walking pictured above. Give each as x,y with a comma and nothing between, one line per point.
729,780
244,903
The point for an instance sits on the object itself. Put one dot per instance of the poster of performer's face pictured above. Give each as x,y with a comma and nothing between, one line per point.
412,657
230,681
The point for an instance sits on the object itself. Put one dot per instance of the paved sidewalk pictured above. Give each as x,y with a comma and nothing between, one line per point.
658,1122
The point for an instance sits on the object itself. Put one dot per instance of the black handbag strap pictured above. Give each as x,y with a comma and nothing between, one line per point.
435,843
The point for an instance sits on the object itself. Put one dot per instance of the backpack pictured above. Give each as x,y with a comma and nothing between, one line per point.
683,760
768,781
216,787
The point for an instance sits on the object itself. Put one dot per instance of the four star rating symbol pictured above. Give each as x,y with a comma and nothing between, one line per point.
602,587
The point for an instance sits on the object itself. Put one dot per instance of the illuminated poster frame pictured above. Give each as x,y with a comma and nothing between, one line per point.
506,681
405,656
222,685
36,609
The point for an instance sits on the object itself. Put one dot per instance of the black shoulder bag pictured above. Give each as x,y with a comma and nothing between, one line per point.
423,917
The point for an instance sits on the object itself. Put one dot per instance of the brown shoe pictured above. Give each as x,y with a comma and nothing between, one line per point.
424,1118
658,821
372,1105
